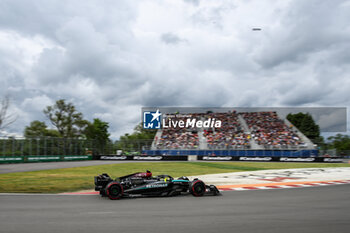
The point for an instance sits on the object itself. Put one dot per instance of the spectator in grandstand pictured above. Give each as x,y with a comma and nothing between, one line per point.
229,136
268,130
178,138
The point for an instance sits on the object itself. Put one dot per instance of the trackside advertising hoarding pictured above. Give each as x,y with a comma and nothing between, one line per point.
143,157
221,158
42,158
272,159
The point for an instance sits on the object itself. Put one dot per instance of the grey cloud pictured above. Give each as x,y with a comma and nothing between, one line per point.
44,17
108,63
171,38
194,2
306,28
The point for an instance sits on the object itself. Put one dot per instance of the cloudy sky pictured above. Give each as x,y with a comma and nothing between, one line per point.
111,57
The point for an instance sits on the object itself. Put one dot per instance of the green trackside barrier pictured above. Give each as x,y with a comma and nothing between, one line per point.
77,157
11,159
32,158
42,158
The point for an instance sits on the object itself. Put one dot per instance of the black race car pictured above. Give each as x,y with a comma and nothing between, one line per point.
144,184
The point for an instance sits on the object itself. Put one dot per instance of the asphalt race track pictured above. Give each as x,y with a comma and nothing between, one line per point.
317,209
26,167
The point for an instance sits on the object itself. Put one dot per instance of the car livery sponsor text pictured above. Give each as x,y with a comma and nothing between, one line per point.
156,185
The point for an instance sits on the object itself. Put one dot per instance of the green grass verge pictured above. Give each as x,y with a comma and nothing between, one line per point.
80,178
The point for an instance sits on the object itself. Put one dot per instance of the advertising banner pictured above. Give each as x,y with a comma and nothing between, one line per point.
42,158
143,157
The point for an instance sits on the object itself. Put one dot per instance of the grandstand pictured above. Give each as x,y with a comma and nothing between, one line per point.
177,138
259,131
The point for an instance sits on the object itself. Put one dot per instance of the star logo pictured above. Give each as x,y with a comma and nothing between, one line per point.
156,115
152,120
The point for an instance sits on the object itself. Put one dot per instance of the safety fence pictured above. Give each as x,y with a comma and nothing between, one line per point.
46,158
45,146
43,149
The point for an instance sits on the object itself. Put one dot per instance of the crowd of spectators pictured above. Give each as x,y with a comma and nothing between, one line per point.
269,131
266,129
229,136
178,138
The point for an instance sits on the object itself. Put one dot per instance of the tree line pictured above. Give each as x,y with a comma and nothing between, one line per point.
68,122
306,124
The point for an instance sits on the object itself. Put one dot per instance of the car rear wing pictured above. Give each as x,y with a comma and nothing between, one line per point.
101,181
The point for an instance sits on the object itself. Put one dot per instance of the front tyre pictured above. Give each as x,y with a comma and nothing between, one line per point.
198,188
114,190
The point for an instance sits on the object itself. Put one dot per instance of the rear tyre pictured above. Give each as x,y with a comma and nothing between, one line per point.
198,188
114,190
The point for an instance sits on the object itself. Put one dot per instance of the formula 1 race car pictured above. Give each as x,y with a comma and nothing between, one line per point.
144,184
